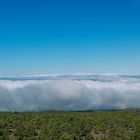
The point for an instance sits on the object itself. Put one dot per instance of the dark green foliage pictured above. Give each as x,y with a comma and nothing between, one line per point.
99,125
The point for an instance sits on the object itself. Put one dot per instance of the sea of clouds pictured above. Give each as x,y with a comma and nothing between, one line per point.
69,92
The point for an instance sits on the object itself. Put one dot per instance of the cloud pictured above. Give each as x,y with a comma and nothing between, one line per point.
82,92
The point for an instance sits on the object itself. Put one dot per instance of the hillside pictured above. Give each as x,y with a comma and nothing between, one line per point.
99,125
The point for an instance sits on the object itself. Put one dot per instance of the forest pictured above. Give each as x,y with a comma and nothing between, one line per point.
58,125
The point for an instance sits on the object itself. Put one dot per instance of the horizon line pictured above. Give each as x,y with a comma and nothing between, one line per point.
69,74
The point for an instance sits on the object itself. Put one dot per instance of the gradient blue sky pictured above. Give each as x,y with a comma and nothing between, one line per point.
69,36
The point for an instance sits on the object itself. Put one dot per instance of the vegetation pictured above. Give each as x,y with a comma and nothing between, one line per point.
99,125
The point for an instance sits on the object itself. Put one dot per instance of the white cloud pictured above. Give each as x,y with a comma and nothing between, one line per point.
70,93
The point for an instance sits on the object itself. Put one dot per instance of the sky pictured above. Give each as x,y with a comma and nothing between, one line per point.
69,36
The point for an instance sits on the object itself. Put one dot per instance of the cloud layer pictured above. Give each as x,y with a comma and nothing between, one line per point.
69,92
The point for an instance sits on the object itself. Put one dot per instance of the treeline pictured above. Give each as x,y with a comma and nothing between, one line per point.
99,125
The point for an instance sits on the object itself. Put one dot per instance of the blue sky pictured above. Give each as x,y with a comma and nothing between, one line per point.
69,36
